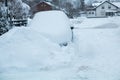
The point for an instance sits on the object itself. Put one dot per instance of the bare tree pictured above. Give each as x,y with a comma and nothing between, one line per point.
82,5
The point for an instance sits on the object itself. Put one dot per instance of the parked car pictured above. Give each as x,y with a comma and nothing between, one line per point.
54,25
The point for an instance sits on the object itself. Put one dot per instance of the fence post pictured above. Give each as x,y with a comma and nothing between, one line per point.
72,33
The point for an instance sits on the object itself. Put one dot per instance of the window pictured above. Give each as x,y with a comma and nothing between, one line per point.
109,7
89,12
103,7
92,12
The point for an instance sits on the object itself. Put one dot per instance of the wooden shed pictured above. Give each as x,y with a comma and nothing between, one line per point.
42,6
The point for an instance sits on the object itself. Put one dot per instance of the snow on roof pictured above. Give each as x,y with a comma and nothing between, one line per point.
53,24
49,3
116,4
98,3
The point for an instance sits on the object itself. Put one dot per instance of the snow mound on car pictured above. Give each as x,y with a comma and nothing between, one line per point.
55,25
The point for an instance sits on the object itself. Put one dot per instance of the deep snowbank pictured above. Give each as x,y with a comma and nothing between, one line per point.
23,48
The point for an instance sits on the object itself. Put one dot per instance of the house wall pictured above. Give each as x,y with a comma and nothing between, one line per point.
100,12
118,13
41,7
91,13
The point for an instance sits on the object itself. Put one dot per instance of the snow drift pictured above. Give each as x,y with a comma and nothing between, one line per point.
55,25
110,22
23,48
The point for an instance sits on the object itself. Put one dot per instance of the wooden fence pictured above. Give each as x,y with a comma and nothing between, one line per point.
18,22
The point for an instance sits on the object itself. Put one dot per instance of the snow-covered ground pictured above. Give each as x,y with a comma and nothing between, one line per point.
99,48
110,22
94,54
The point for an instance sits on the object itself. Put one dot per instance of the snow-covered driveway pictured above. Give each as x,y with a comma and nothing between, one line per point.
99,49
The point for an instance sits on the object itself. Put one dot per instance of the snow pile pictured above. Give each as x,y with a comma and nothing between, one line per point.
23,48
53,24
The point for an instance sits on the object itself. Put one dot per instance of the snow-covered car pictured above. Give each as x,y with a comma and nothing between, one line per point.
54,25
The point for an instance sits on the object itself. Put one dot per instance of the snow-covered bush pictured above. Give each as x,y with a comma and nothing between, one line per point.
25,10
3,26
3,19
55,25
18,9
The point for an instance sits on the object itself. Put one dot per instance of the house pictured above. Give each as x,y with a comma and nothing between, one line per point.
42,6
104,9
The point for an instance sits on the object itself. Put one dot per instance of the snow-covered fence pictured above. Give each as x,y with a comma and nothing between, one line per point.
22,22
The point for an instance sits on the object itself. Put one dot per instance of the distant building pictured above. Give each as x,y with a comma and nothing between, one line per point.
104,9
42,6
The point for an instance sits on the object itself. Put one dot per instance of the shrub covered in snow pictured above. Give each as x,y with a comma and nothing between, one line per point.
54,25
3,25
18,9
3,20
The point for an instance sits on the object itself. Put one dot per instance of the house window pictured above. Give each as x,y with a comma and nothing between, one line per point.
89,12
103,7
109,7
92,12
